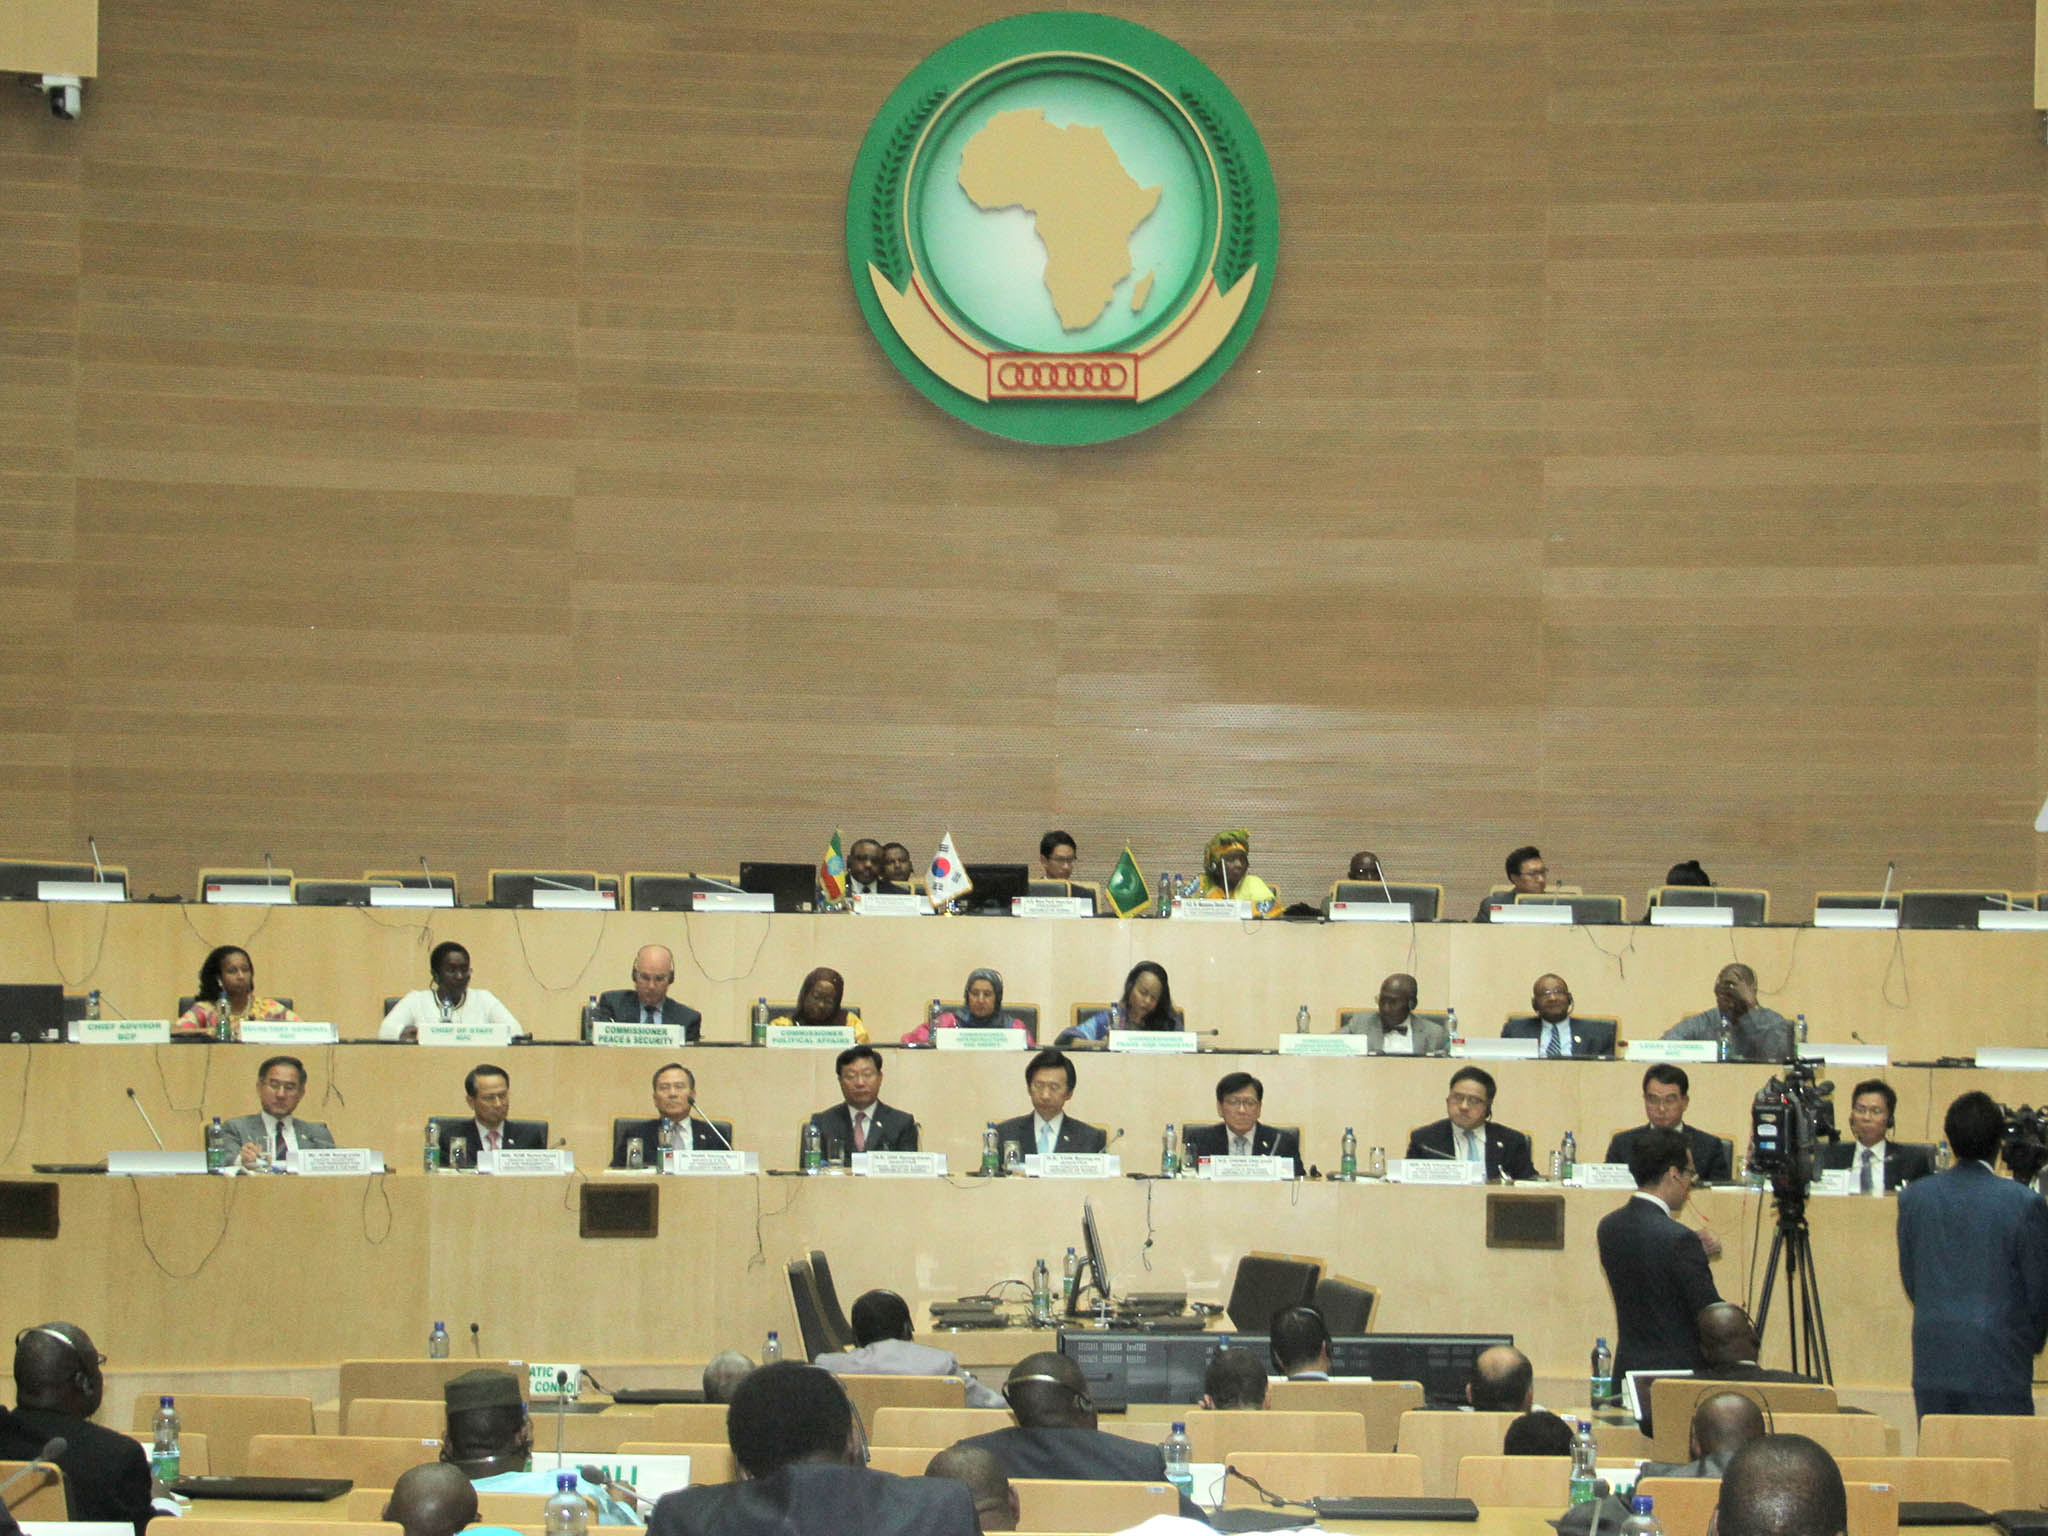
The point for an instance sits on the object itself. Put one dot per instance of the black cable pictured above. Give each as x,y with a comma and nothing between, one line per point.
142,1230
376,1182
28,1057
690,943
205,1078
50,928
575,982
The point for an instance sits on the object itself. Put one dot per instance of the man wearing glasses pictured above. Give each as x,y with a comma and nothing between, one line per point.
1656,1265
57,1390
1239,1099
648,1002
1468,1133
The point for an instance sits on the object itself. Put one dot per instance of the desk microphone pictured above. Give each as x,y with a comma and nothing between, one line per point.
426,871
695,1118
1884,896
558,885
624,1492
146,1120
476,1340
269,871
561,1412
99,871
45,1461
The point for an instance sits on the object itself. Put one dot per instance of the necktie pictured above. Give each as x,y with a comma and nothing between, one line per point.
1044,1139
282,1149
650,1015
1552,1046
1473,1154
1867,1186
491,1141
1240,1147
860,1131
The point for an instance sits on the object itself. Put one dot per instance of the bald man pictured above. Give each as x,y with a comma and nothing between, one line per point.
1722,1424
995,1501
1782,1485
1552,1027
1503,1381
647,1001
1751,1031
436,1500
57,1390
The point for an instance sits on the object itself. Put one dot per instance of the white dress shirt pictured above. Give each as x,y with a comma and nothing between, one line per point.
423,1007
1398,1043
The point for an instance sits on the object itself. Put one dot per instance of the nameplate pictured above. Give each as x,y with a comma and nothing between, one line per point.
711,1164
411,896
229,895
546,899
119,1031
1662,916
1509,912
1247,1170
889,904
1834,1181
1602,1176
666,1036
1498,1050
1372,912
287,1032
1210,909
1435,1170
2018,920
334,1162
1674,1050
810,1037
526,1162
1074,1165
1324,1045
981,1039
900,1165
732,901
80,890
1855,917
1155,1042
2013,1058
447,1032
1052,906
650,1476
554,1379
1851,1055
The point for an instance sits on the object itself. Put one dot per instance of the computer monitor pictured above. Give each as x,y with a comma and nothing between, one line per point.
794,886
1133,1366
31,1011
1092,1264
994,885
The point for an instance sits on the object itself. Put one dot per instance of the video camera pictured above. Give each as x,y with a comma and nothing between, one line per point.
1789,1118
2026,1141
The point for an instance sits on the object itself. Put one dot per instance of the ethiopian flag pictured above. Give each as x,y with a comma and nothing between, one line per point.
1126,889
832,870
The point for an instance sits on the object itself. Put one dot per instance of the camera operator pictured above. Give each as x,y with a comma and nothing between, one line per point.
1973,1256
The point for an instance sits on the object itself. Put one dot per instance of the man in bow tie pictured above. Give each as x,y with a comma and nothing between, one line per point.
1396,1030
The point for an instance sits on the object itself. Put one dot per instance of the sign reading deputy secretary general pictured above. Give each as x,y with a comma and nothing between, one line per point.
1062,227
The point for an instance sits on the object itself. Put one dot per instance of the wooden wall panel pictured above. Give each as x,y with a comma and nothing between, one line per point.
461,430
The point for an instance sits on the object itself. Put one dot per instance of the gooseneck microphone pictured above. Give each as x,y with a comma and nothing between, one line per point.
45,1461
99,870
146,1120
561,1412
625,1493
694,1117
1890,868
476,1340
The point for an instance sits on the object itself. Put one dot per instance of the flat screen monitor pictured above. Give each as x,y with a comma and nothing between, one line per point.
31,1012
994,885
1138,1367
1092,1264
794,886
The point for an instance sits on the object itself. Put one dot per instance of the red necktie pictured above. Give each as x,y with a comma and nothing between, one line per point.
860,1131
281,1148
493,1139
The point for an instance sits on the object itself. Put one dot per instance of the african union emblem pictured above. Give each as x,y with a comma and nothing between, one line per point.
1062,227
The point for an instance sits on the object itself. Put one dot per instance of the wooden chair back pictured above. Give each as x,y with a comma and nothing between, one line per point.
230,1420
709,1462
595,1432
37,1497
869,1394
1325,1474
935,1426
1985,1481
1673,1399
194,1458
1841,1434
1531,1481
416,1417
703,1422
214,1525
1443,1440
419,1380
1072,1504
1220,1433
1683,1505
373,1461
903,1460
1381,1402
2023,1442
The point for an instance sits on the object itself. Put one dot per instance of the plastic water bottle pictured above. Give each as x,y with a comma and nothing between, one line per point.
1179,1456
1073,1273
1041,1294
223,1026
437,1342
991,1151
760,1030
220,1156
163,1454
92,1003
566,1513
814,1148
1169,1153
931,1021
432,1156
1568,1155
1347,1157
1584,1465
1802,1029
1301,1020
1165,895
771,1348
1643,1522
1601,1387
1943,1158
1455,1034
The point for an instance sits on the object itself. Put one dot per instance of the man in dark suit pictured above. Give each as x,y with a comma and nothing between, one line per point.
1239,1099
489,1089
1469,1128
1973,1256
266,1136
1667,1092
1728,1340
1878,1165
1051,1077
791,1431
57,1390
1056,1434
1656,1266
860,1122
647,1000
1556,1032
675,1104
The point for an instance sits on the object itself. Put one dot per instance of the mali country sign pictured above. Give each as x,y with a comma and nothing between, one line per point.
1062,227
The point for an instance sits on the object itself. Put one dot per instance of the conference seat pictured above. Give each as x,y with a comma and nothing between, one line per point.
1218,1434
1752,907
1673,1399
419,880
218,1525
1381,1403
1425,901
336,893
2021,1441
664,891
1950,908
1841,1434
39,1496
418,1418
710,1461
810,1316
936,1426
902,1460
516,887
216,875
1076,1504
374,1461
1685,1504
828,1299
513,1509
1856,901
1347,1307
419,1380
1529,1481
1588,911
591,1433
1325,1474
1263,1283
1989,1482
870,1394
1442,1439
19,878
689,1421
194,1457
230,1420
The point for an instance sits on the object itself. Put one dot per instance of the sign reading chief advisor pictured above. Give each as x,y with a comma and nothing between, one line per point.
1062,227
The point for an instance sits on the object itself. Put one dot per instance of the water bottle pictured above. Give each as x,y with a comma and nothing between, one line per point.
1347,1157
1584,1470
1557,1164
92,1003
1568,1155
760,1030
931,1021
1802,1029
1943,1158
432,1158
1165,895
437,1342
771,1348
1041,1294
1073,1273
223,1026
1301,1019
220,1156
814,1148
163,1455
566,1513
1722,1049
1169,1153
636,1151
589,1015
1644,1521
1601,1387
1457,1035
991,1152
1179,1457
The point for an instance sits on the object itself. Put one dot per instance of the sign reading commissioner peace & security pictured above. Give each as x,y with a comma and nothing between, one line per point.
1062,227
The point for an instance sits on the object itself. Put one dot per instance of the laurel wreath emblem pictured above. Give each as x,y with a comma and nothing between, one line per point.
1238,246
887,253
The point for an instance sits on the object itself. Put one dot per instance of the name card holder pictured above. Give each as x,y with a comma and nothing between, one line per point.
444,1032
2017,920
411,896
732,901
219,894
663,1036
1372,912
1492,1049
1601,1176
900,1165
1851,1055
1834,1181
546,899
981,1039
1324,1045
287,1032
526,1162
1247,1170
1210,909
2010,1058
1074,1165
1154,1042
890,904
80,890
119,1031
710,1164
650,1476
554,1379
334,1162
1052,906
1435,1170
1855,917
1558,916
1662,916
810,1037
1674,1050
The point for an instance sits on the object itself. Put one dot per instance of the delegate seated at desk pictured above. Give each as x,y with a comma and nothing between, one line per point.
450,1000
1145,1003
1556,1033
675,1106
647,1000
1050,1076
817,1006
1468,1133
1752,1032
1240,1098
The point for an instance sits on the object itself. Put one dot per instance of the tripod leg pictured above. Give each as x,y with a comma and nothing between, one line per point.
1817,1329
1763,1306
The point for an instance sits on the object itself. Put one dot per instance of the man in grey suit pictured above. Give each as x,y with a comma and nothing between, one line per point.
1556,1032
882,1334
1051,1077
1750,1031
1722,1424
647,1000
269,1135
1973,1256
860,1122
1396,1029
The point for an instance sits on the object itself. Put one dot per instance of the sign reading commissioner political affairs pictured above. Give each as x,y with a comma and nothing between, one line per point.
1062,227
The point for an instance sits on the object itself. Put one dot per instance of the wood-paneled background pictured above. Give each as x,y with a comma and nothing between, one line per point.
448,429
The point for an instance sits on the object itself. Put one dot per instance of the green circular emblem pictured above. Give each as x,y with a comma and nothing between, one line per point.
1062,227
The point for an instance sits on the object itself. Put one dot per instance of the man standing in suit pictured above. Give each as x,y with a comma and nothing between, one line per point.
647,1000
1667,1092
1051,1077
884,1347
1656,1266
489,1090
675,1106
1973,1256
1468,1134
860,1122
1878,1165
1556,1032
267,1136
1395,1030
1239,1098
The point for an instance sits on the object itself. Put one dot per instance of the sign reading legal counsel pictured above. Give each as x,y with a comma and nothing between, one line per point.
1062,227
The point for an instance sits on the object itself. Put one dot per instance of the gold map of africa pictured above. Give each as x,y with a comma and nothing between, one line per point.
1087,206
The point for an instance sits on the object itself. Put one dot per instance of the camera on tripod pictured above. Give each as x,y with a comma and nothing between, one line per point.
1789,1118
2025,1146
